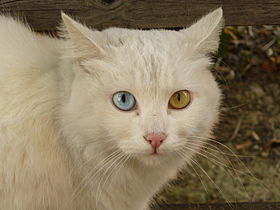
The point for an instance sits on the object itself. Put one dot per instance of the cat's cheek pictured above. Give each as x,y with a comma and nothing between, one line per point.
136,148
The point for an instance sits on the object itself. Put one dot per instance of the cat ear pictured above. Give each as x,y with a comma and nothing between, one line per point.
81,38
204,35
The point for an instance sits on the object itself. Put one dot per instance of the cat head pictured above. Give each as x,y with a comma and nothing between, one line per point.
148,94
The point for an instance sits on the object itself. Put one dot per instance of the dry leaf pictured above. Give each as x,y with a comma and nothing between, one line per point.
276,141
244,145
276,59
269,66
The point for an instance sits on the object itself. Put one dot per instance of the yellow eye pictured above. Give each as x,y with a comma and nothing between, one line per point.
179,99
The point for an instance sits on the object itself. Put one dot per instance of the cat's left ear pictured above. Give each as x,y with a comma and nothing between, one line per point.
204,35
82,39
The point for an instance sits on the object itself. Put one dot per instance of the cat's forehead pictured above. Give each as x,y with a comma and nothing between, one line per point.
150,62
141,57
161,39
145,52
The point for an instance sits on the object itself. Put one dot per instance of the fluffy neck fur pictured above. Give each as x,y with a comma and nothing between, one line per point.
65,146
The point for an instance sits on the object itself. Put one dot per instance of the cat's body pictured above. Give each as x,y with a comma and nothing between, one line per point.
63,144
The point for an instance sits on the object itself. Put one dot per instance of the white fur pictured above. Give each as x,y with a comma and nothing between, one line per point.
63,144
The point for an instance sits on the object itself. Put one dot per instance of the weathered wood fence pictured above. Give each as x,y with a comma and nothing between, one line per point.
222,206
45,14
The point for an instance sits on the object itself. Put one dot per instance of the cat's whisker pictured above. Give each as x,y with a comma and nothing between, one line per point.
115,165
210,144
83,164
104,176
200,178
229,169
249,172
108,161
209,141
95,170
102,144
211,180
212,147
226,147
214,159
119,169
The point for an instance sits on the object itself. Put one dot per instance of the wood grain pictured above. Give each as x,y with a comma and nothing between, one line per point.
222,206
44,15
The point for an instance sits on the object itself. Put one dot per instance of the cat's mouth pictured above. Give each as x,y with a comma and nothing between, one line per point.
152,159
155,152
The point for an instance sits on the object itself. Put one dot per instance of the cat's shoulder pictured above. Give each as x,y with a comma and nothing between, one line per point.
12,27
20,45
9,20
25,56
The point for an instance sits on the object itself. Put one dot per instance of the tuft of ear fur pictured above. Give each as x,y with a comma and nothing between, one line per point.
204,35
81,38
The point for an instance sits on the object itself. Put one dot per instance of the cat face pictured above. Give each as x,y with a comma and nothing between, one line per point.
124,81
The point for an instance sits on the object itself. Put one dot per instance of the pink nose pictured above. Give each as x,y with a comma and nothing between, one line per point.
155,139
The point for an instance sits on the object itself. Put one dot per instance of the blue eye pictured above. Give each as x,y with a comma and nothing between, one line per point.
124,100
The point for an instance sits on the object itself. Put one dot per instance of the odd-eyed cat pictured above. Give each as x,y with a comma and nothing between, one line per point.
101,119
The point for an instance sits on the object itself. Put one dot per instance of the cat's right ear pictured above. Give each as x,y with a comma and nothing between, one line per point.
82,39
203,36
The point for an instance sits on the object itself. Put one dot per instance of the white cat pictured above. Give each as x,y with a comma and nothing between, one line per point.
101,120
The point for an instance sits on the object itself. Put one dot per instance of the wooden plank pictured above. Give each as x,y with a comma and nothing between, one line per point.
45,14
222,206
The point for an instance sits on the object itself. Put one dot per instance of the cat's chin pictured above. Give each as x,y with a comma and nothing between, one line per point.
152,159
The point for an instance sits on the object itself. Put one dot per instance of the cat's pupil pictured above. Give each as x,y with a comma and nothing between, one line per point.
123,98
178,96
